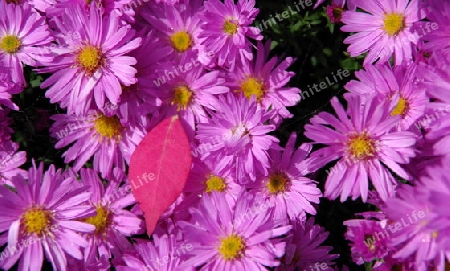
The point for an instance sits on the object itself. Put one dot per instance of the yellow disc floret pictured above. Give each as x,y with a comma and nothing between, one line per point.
252,86
231,247
181,41
90,58
215,183
100,220
36,220
393,23
10,44
361,146
229,27
109,127
277,183
182,97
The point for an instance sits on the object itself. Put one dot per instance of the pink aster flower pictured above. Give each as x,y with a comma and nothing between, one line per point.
285,187
96,135
10,161
42,217
413,233
389,83
222,240
226,32
90,70
24,35
266,79
192,91
236,135
337,7
113,223
304,248
383,30
368,239
360,139
163,253
204,177
177,25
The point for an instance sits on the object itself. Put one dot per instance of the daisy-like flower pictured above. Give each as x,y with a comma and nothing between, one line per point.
415,227
236,135
204,177
285,187
226,32
337,7
193,91
10,161
42,216
383,30
177,25
390,83
360,139
96,135
304,249
266,79
24,36
163,253
222,241
113,223
90,70
369,240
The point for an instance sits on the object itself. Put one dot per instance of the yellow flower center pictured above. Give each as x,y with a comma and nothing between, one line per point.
277,183
230,28
36,220
253,86
100,220
10,44
370,239
90,59
181,41
108,126
182,97
231,247
401,108
215,183
394,23
337,13
361,146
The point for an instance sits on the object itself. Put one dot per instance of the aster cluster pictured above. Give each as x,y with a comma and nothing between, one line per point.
116,69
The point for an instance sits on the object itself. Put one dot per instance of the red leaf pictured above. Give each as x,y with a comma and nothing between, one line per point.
159,169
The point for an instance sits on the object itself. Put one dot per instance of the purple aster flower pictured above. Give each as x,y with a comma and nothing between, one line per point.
304,249
113,223
241,238
285,187
266,79
236,135
177,25
389,83
368,239
24,36
42,217
192,91
383,29
360,139
106,139
91,67
437,30
204,177
411,225
226,31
